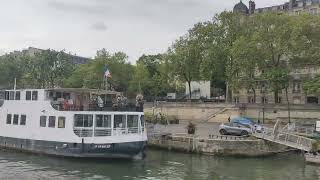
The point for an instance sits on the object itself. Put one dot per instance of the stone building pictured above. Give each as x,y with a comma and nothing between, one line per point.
31,51
296,94
293,7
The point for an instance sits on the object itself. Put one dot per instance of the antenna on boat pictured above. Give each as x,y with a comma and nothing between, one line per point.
15,84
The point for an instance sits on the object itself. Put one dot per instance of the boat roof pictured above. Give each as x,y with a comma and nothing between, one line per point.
84,90
75,90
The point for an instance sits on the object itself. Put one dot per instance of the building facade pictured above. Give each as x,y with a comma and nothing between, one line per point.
293,7
262,93
31,51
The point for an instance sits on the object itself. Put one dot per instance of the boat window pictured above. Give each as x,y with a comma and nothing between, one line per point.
15,119
52,121
61,122
103,121
9,117
132,121
2,95
142,122
83,120
119,121
17,95
34,95
43,121
28,95
6,95
11,95
23,120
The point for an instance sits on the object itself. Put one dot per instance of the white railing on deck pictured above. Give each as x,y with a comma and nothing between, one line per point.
102,132
83,132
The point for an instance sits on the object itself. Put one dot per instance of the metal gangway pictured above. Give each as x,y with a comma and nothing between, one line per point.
285,136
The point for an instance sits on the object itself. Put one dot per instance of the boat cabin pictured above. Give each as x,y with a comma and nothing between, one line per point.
72,99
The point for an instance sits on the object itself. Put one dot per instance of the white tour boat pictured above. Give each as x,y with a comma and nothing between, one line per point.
71,122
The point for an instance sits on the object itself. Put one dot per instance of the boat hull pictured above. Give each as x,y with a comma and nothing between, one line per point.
127,150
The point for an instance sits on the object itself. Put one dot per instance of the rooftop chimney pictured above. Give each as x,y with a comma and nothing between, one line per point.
252,6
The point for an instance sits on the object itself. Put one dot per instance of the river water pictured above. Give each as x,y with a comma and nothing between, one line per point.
160,165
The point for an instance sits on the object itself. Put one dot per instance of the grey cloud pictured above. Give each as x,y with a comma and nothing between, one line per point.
99,26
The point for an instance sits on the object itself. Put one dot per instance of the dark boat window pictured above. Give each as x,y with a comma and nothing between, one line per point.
119,121
52,121
34,95
58,95
23,119
103,121
15,119
132,121
61,122
2,94
88,120
11,95
43,121
17,95
28,95
9,117
142,122
83,120
6,95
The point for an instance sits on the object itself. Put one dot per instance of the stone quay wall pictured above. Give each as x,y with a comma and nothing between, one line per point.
213,112
218,145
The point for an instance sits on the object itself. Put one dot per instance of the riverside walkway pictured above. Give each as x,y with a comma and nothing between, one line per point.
285,137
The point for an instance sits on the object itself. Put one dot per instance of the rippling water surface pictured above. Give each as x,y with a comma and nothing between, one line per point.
159,165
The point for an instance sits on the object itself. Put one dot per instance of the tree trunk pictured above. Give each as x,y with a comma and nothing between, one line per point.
189,84
288,103
276,96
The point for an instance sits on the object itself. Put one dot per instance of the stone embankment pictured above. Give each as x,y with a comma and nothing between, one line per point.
213,112
216,145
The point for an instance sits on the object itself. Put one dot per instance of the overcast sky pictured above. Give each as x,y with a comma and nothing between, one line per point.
82,27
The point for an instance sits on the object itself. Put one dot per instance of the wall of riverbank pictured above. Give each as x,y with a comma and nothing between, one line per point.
213,112
217,145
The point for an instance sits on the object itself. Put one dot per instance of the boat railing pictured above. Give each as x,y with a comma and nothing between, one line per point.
59,106
83,132
102,132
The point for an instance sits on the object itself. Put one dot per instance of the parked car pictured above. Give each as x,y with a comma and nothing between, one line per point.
248,122
235,129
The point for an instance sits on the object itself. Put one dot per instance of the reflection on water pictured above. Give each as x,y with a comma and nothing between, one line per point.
160,165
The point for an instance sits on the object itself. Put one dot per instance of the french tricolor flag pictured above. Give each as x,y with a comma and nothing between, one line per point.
107,72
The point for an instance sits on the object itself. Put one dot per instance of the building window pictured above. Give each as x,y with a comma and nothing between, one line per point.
119,121
296,87
279,100
11,95
34,95
103,121
15,119
52,121
61,122
313,11
17,95
9,117
23,119
312,100
83,120
264,100
43,121
236,100
28,95
251,100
